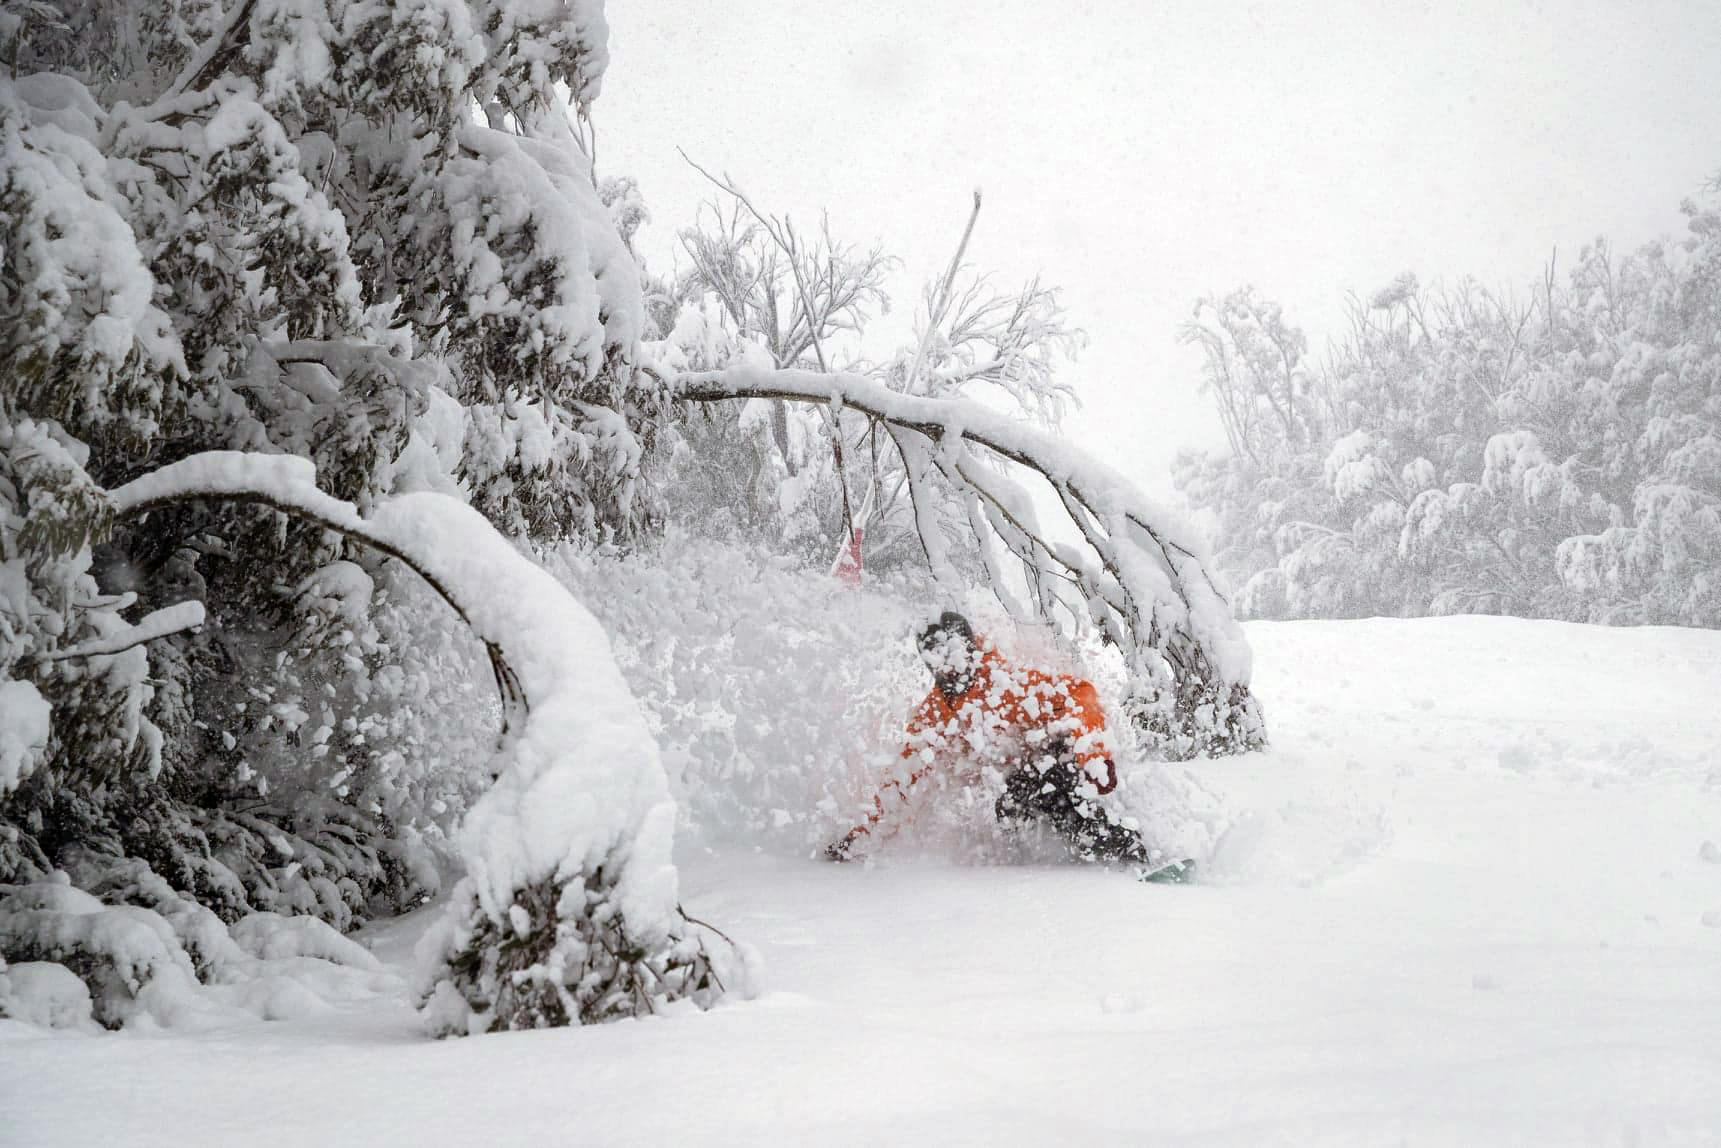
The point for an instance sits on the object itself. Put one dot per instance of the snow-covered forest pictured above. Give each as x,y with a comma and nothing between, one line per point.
425,615
1548,450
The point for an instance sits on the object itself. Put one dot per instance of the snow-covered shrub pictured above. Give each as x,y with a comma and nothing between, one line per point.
566,952
76,961
129,957
46,995
269,936
130,881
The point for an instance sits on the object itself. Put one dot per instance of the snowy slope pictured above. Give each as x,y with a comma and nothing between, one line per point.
1463,900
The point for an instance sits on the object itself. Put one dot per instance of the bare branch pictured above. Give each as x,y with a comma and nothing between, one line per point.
935,310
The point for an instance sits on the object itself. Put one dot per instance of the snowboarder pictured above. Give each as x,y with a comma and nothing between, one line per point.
1046,731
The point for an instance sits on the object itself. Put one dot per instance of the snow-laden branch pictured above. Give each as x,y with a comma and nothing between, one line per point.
168,620
1173,547
288,483
1143,573
542,641
203,61
568,854
344,357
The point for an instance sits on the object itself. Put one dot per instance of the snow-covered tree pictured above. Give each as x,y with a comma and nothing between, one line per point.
1550,456
918,467
567,911
362,233
756,290
1254,370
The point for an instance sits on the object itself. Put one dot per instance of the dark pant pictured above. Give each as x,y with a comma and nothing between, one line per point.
1051,797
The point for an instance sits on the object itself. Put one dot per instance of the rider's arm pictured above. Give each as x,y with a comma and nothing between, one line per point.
892,801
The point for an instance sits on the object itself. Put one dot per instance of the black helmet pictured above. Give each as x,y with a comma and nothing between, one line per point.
949,622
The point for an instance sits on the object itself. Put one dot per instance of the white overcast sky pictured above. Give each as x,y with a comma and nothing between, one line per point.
1141,154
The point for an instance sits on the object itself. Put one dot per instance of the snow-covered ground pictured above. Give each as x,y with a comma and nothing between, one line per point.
1472,895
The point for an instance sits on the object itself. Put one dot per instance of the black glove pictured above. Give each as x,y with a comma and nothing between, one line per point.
1060,749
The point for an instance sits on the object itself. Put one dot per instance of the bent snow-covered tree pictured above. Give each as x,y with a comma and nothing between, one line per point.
360,232
568,909
1138,574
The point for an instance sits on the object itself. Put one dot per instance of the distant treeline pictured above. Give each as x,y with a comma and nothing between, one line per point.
1550,452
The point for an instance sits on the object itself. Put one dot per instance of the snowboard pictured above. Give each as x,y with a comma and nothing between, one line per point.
1180,872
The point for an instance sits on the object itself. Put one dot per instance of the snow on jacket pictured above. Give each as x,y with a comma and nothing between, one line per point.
1005,716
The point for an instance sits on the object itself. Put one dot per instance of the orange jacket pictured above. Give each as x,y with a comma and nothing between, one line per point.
1007,703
